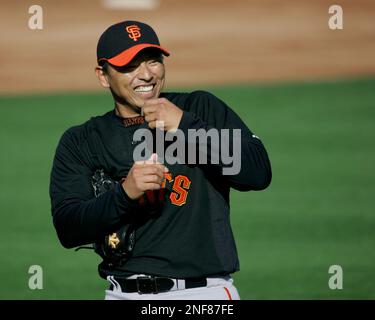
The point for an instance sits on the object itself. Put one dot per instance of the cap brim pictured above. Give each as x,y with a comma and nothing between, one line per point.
126,56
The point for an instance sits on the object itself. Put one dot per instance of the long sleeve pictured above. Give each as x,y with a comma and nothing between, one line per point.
79,217
253,170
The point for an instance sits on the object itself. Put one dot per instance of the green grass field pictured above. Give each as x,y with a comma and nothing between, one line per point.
318,211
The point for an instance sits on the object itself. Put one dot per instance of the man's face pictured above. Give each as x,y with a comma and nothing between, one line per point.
138,81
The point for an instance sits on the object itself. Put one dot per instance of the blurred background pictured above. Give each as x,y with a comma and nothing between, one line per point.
308,91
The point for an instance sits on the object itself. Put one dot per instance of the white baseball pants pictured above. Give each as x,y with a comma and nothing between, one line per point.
216,289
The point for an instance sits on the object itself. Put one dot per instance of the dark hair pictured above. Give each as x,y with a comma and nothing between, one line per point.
105,67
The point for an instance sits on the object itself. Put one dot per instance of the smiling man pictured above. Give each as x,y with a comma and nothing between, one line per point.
162,229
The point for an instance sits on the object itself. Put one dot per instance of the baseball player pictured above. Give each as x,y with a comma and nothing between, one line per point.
162,229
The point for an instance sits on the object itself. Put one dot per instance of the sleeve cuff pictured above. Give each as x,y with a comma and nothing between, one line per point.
124,204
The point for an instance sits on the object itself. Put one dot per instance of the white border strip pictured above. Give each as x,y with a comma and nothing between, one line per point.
130,4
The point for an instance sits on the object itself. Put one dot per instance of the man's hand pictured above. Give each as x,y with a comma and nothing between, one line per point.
162,109
143,176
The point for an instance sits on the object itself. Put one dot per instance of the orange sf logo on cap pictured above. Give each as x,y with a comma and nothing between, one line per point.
134,32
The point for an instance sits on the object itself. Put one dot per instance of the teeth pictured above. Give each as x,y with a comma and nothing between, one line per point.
144,88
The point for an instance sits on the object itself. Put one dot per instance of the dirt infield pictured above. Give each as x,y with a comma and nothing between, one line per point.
212,42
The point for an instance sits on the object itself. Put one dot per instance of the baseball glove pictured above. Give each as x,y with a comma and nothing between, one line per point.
116,247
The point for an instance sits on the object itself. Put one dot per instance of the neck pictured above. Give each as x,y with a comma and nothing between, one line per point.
126,111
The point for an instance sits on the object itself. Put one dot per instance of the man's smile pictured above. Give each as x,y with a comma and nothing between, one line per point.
145,91
144,88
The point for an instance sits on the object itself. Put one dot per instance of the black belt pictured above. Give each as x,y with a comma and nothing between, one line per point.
155,284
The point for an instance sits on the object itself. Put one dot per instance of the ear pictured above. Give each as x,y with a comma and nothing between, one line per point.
103,77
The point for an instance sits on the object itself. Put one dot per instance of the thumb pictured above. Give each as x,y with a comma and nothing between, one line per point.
153,159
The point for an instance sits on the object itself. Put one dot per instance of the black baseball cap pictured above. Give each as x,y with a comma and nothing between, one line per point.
119,44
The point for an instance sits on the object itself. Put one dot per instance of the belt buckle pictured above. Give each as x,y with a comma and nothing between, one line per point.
146,285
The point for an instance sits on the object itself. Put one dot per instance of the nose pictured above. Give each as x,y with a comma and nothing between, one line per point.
144,72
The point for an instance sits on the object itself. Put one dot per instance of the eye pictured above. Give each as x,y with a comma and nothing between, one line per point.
153,62
127,68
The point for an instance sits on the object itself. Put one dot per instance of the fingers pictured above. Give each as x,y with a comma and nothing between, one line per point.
154,179
154,102
149,108
153,158
154,105
151,117
149,172
161,113
152,111
152,124
145,175
153,161
149,167
151,186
